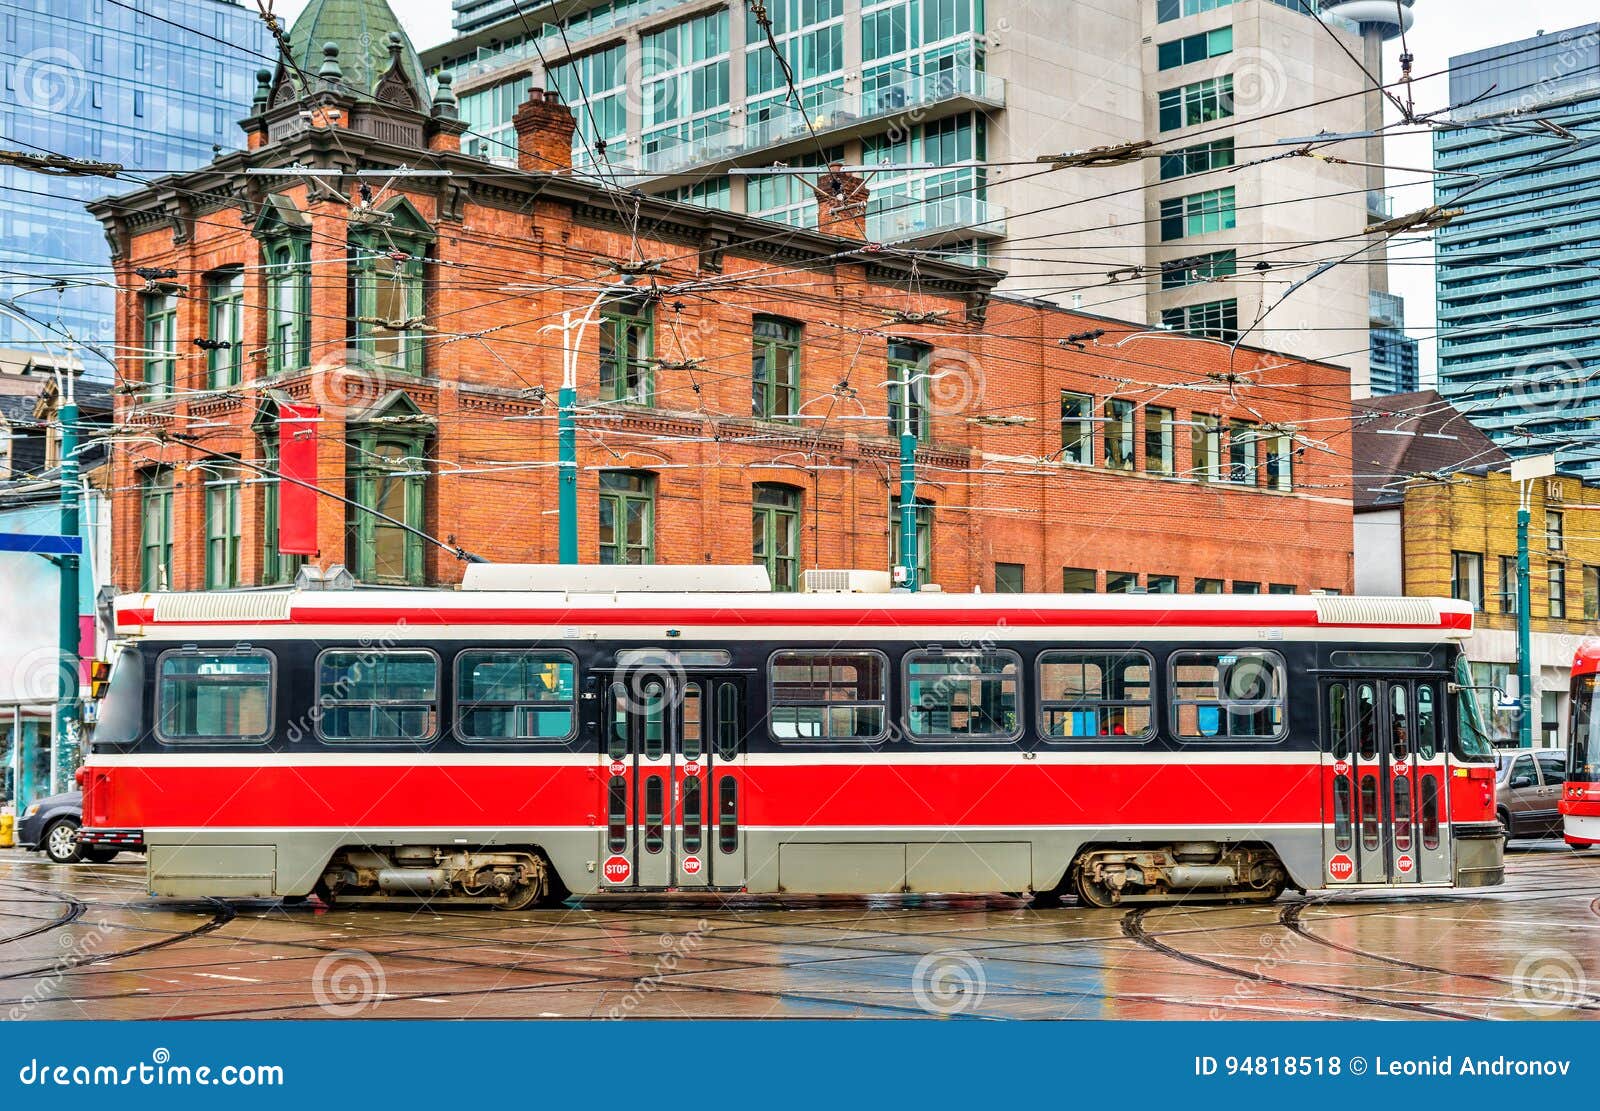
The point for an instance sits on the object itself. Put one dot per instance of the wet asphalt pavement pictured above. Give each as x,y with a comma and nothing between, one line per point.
85,941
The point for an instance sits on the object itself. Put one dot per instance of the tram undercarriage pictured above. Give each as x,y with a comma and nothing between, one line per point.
505,878
1110,876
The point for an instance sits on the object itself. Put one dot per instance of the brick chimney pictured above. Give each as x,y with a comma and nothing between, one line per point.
842,203
544,133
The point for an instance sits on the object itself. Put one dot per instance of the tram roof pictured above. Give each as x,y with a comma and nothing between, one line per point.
570,614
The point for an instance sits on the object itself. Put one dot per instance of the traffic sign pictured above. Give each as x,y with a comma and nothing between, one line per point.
691,865
616,869
1404,864
1341,867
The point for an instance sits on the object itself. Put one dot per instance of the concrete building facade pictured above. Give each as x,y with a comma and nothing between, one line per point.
1200,232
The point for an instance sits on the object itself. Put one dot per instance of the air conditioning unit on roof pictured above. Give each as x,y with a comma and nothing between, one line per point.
846,582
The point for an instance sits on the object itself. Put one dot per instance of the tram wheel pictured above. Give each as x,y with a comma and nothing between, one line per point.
1091,893
523,897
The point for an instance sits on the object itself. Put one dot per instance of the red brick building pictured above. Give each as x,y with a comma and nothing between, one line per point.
736,395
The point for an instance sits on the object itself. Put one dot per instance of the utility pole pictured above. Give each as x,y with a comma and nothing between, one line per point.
1524,472
68,727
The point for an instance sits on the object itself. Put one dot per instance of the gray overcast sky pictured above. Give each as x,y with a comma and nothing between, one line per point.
1444,28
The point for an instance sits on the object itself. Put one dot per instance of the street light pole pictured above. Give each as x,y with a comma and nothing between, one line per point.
572,331
1524,630
908,491
1524,472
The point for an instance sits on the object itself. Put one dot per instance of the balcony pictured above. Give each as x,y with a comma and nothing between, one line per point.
832,113
937,217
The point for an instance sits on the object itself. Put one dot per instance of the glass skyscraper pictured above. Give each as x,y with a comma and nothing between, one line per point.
1519,294
153,85
1395,365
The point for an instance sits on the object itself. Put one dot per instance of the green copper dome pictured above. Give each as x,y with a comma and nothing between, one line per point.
361,30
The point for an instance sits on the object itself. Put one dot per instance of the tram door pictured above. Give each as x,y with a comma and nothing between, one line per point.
673,761
1384,808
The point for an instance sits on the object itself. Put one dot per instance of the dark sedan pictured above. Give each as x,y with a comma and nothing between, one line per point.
50,825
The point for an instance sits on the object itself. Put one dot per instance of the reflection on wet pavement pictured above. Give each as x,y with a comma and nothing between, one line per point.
86,942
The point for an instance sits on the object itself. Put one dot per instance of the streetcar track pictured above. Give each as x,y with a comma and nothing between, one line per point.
1133,926
71,912
219,918
1292,914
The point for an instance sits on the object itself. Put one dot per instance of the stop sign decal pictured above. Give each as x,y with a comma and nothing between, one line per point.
616,869
1404,864
1341,768
618,767
691,865
1341,867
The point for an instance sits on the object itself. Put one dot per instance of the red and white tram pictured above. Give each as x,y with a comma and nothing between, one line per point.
1580,795
511,741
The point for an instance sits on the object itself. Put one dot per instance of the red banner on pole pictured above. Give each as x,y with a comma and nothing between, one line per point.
297,463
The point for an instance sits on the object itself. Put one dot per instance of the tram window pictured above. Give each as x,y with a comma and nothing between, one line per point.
692,733
219,697
1400,722
828,696
654,720
1338,721
728,814
968,696
1343,835
1218,695
1367,722
1430,812
667,658
121,720
1095,695
691,814
1401,790
369,695
1427,722
654,835
1381,661
616,814
730,720
1369,812
617,735
515,696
